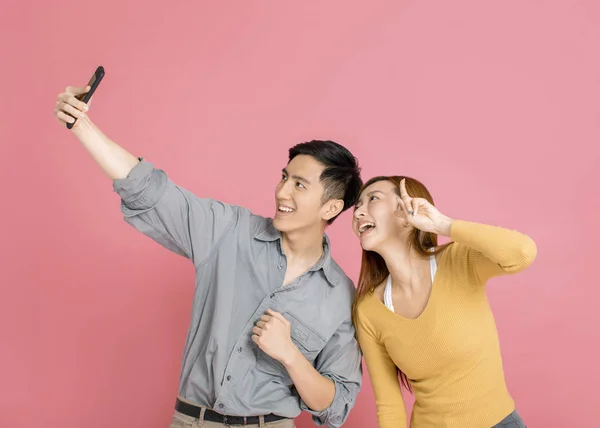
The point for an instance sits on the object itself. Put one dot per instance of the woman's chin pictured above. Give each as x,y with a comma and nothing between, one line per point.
367,244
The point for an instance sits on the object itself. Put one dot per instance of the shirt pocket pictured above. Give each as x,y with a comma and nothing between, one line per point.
307,339
309,342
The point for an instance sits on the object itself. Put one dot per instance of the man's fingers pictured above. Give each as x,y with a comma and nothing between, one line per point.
65,117
77,90
276,314
67,108
71,100
62,122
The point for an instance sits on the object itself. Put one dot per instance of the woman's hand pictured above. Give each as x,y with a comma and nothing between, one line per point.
419,213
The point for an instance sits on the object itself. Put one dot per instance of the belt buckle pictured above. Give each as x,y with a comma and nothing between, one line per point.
226,421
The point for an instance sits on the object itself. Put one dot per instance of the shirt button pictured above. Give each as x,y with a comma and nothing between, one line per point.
278,266
228,377
239,349
272,295
221,405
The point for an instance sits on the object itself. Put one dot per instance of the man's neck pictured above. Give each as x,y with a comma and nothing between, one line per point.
303,246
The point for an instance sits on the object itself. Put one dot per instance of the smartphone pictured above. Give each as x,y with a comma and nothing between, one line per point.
93,84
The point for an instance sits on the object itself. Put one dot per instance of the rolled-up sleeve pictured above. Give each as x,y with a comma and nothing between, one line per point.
340,361
172,216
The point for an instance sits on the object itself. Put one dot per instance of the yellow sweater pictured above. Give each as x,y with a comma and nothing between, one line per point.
450,352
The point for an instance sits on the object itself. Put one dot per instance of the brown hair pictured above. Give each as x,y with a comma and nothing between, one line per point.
373,269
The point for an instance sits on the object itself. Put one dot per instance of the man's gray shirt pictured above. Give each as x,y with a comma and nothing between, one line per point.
240,268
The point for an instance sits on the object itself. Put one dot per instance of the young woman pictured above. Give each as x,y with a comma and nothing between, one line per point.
421,313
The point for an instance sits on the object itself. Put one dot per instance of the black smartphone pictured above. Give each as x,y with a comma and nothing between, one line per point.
93,84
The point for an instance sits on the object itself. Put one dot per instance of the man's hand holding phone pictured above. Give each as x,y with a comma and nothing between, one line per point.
69,109
73,104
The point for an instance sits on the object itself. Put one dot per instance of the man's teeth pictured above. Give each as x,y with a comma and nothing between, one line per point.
364,227
286,209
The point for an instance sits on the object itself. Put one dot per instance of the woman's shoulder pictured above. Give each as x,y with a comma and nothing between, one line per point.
452,253
366,317
369,307
365,301
365,306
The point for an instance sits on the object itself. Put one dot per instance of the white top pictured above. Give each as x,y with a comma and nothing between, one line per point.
387,293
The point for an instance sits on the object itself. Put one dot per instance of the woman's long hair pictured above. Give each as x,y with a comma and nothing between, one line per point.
373,269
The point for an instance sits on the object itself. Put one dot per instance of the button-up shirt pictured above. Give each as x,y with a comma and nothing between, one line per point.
240,268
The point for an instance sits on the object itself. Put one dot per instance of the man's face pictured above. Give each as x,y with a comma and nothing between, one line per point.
299,194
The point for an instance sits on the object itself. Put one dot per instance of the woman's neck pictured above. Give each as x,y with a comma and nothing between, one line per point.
404,262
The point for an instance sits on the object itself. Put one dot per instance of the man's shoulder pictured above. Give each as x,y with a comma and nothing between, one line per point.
261,223
345,284
242,217
261,227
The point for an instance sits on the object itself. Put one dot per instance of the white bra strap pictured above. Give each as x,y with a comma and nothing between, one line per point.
387,294
432,266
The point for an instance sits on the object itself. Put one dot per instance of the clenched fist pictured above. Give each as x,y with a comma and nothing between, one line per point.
272,334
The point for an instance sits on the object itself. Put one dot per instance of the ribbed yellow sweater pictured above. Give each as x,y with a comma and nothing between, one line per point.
450,352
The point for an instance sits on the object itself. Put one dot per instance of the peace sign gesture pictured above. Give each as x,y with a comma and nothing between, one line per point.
421,214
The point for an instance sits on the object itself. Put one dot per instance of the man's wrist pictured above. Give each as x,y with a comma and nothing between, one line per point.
292,357
82,125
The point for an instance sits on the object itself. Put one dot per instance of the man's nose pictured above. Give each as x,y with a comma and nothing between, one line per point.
283,191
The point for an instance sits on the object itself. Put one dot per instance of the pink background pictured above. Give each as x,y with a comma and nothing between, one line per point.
494,105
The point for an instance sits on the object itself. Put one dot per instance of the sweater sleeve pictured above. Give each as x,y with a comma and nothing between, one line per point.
391,411
492,251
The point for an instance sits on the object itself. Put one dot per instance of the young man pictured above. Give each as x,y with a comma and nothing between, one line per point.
271,331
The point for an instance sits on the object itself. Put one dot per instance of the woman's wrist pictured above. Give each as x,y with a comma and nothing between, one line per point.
444,226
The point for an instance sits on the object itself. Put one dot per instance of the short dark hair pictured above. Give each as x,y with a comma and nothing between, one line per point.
341,176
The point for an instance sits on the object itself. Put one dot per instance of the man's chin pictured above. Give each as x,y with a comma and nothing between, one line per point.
286,225
280,224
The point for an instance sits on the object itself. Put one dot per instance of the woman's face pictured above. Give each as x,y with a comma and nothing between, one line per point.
377,216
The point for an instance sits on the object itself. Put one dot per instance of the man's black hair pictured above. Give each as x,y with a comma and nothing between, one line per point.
341,176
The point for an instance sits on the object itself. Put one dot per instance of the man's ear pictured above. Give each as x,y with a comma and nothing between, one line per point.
332,208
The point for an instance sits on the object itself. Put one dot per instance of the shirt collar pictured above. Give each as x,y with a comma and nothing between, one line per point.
270,234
